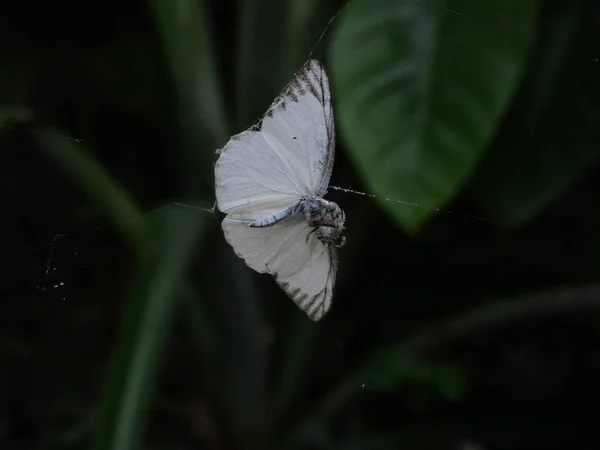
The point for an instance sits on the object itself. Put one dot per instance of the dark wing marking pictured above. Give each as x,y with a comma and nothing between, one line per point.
315,306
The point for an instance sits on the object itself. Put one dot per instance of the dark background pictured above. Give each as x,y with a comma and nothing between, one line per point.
472,332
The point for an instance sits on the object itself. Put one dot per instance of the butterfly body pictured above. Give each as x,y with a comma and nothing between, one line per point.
326,218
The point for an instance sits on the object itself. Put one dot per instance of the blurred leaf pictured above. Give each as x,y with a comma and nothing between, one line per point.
15,114
314,428
188,47
134,365
189,51
390,368
152,300
258,55
300,16
243,369
387,369
299,345
553,134
306,29
420,91
450,381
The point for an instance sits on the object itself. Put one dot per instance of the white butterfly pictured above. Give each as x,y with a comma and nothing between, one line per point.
270,181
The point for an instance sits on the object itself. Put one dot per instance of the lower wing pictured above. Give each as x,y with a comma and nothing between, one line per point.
302,266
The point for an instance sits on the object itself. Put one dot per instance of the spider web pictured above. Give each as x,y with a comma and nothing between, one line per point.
53,262
59,249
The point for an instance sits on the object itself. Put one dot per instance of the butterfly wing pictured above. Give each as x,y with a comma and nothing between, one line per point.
288,155
271,166
302,266
301,118
254,174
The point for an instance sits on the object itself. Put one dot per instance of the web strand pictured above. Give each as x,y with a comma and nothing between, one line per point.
466,216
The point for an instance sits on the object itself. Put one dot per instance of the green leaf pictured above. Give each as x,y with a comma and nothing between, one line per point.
388,369
552,135
299,346
190,55
421,86
306,29
148,314
189,49
10,115
135,363
259,54
450,381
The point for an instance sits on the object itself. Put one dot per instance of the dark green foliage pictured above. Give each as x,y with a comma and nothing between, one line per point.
467,298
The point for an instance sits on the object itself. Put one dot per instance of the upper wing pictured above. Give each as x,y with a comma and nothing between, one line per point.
253,173
289,157
301,118
302,266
